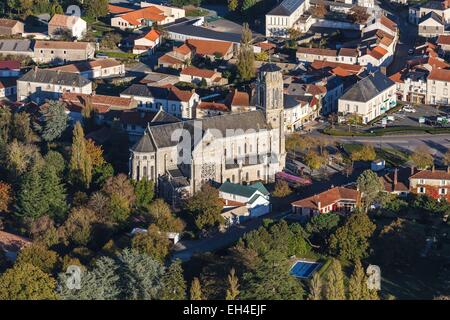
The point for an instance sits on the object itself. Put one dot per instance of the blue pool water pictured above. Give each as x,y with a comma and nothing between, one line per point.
304,269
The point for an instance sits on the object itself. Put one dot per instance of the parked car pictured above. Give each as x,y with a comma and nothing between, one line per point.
409,108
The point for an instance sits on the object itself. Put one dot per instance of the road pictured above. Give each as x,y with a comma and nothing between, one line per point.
185,249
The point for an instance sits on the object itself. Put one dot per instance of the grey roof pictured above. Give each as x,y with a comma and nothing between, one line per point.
286,8
162,134
16,45
433,15
188,29
55,77
368,88
144,144
436,5
269,67
290,101
164,117
296,89
258,185
141,90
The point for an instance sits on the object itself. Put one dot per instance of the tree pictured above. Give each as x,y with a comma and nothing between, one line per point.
233,289
31,202
5,196
5,124
315,288
145,191
281,189
321,226
357,284
121,194
371,187
39,256
161,215
314,160
80,162
262,56
233,5
21,127
247,4
206,207
101,174
365,153
196,290
173,283
351,241
421,157
335,282
96,8
53,192
77,229
54,120
245,63
55,161
26,282
20,158
153,242
95,153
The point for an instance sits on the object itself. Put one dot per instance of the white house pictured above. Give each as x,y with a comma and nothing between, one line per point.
285,16
147,43
254,197
73,24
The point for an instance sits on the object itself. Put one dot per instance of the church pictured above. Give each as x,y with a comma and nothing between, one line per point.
238,147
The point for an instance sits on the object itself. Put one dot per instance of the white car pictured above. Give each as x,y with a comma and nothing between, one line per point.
409,108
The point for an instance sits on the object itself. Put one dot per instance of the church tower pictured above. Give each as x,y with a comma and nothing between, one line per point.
270,100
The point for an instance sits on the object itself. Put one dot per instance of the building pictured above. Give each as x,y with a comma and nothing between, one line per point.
16,47
9,68
147,43
285,16
338,199
238,101
238,147
9,27
397,181
73,25
299,110
174,13
209,109
254,197
343,55
440,8
8,87
369,97
155,79
61,52
444,43
433,183
196,75
179,103
135,122
431,25
95,69
411,85
438,84
40,84
177,59
211,50
141,18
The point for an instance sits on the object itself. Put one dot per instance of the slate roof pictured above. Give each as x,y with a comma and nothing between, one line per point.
368,88
433,15
15,45
144,144
54,77
170,93
286,8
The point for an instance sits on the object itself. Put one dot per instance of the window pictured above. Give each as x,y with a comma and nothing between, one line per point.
421,190
445,91
442,182
442,191
421,181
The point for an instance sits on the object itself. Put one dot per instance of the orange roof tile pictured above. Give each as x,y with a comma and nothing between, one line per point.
443,40
150,13
183,49
397,77
153,35
378,52
88,65
317,51
212,106
117,9
327,198
62,45
196,72
167,58
61,20
354,69
209,48
440,75
430,174
388,23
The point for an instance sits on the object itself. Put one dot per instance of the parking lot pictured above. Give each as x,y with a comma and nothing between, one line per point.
429,113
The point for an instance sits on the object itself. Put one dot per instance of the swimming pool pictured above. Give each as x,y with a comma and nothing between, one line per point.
304,269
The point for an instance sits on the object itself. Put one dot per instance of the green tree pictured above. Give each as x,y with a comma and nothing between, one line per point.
39,256
247,4
206,207
31,202
314,160
53,192
351,241
80,162
233,5
55,161
196,290
371,187
77,229
315,287
21,128
281,189
54,120
233,286
422,157
26,282
322,225
357,284
161,215
153,242
96,8
246,58
145,191
335,289
173,283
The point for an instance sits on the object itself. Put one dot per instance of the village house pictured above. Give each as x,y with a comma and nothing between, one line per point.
411,85
238,101
8,87
211,49
439,8
433,183
397,181
59,52
61,23
140,18
9,68
156,79
431,25
178,58
438,85
9,27
209,109
254,197
299,110
40,84
16,47
369,97
101,104
196,75
179,103
337,199
444,43
284,17
148,43
95,69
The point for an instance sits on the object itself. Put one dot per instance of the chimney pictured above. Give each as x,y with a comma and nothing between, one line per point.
318,205
432,168
395,176
412,170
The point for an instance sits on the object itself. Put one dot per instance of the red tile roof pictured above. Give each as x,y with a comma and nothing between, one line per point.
388,23
354,69
327,198
117,9
212,106
210,48
88,65
317,51
443,40
150,13
61,45
439,74
378,52
196,72
153,35
432,175
237,98
8,23
167,58
265,45
101,103
61,20
183,49
397,77
348,52
9,65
